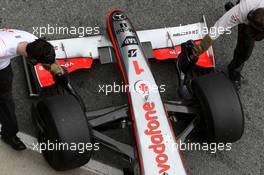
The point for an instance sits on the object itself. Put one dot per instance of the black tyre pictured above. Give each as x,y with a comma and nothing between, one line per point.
60,120
221,107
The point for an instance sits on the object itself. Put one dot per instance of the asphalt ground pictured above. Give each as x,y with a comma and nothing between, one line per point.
246,156
29,162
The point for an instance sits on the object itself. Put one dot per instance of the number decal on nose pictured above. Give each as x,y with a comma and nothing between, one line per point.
138,70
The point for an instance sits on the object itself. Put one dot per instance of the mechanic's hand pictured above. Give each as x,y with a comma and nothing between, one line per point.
60,75
62,79
206,43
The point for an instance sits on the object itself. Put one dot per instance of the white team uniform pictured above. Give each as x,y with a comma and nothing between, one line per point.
236,15
9,39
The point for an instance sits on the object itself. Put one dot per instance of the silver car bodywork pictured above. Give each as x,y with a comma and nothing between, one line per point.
156,142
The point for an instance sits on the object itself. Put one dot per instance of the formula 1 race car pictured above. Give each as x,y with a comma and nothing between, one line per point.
207,99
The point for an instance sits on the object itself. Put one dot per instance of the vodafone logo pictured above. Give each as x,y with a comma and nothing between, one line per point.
41,68
155,135
68,64
174,52
142,87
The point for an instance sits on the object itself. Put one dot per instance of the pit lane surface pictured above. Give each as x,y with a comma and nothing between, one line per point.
246,156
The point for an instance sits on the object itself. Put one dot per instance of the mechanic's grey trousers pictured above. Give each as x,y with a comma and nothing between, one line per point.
7,107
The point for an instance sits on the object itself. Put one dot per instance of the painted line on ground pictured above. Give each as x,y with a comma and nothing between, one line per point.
93,166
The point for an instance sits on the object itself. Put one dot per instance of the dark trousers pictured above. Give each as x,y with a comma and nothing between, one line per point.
7,107
244,48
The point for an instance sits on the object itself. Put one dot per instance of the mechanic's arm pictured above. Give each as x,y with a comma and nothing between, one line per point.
41,51
230,19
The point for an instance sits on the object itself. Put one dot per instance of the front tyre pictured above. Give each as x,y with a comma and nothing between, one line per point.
221,107
60,120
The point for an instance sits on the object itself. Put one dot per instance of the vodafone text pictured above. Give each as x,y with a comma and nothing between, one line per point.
153,131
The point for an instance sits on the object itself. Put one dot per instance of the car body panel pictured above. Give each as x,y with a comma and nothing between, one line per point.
165,43
157,147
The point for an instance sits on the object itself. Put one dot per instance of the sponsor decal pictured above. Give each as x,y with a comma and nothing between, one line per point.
124,28
235,18
130,40
67,64
132,53
157,141
118,16
123,25
142,87
138,70
59,48
186,33
173,52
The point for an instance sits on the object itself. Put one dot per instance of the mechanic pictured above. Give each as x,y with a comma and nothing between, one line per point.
249,16
20,43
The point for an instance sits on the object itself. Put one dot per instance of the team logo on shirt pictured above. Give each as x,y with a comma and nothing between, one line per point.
235,18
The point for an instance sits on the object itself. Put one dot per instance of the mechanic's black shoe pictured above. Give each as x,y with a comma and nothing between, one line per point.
15,143
229,5
235,77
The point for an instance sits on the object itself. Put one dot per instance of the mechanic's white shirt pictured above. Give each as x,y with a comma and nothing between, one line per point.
9,39
236,15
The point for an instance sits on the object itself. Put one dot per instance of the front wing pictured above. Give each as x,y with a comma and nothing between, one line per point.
79,53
